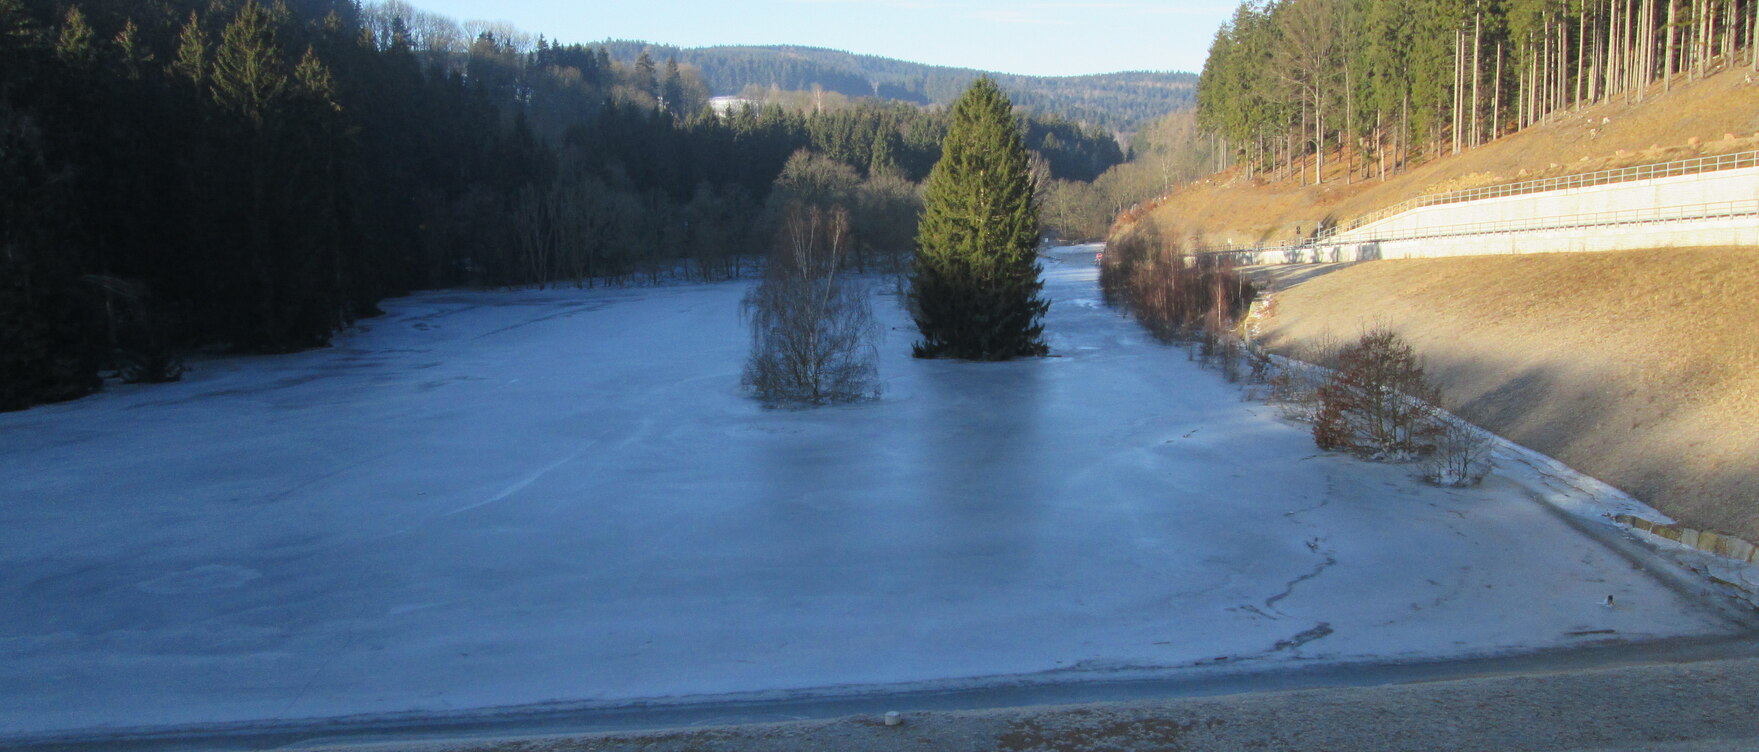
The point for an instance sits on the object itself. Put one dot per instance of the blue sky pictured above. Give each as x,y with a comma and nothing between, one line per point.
1055,37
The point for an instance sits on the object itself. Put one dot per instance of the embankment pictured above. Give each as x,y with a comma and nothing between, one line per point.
1716,115
1640,368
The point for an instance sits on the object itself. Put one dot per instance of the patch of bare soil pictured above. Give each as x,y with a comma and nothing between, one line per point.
1716,115
1640,368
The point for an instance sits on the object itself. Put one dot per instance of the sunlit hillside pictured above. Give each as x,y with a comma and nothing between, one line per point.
1719,114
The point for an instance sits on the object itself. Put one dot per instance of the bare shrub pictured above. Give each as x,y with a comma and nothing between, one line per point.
1295,381
1229,353
1294,387
1377,401
1178,296
1321,350
1262,365
812,331
1461,457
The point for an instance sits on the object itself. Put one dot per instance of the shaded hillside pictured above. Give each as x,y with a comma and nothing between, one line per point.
1639,368
1114,101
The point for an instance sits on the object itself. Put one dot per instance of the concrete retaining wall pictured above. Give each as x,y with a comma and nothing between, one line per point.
1720,544
1680,234
1659,213
1732,562
1684,190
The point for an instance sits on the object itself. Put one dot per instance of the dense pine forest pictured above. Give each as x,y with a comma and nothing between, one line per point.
180,175
1378,83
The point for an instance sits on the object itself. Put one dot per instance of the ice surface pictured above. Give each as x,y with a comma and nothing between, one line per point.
494,498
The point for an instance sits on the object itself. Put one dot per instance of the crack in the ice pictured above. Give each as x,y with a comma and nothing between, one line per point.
1331,489
1251,609
1315,507
1289,589
520,485
564,313
1320,630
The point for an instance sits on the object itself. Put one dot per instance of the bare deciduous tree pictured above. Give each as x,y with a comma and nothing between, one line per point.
1378,401
812,331
1462,453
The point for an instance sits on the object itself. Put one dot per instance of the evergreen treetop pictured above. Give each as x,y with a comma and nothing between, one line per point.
975,285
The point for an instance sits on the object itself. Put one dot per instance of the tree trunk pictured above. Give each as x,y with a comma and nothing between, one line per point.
1582,50
1707,46
1626,48
1520,99
1349,127
1253,159
1459,60
1598,57
1640,55
1697,39
1613,61
1405,140
1542,74
1649,20
1563,64
1546,74
1380,141
1477,69
1291,138
1703,37
1667,68
1496,98
1727,53
1523,114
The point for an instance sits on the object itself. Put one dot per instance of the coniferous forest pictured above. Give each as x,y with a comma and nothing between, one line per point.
230,175
1379,83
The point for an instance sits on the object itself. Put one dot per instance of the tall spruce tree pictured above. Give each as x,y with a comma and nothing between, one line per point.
974,289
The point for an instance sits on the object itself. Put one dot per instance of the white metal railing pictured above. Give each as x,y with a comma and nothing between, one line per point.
1563,182
1653,215
1603,177
1713,210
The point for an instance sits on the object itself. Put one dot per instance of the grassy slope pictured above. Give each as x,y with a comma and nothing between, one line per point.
1720,112
1640,368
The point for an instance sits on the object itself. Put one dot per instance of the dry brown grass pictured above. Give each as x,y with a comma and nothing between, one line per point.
1717,115
1640,368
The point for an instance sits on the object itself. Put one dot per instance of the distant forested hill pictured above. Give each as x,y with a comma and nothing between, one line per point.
1115,101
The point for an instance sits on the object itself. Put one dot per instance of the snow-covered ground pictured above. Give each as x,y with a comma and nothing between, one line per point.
496,498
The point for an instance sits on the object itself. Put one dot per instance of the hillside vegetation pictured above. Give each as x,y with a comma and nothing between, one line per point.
1299,81
1718,114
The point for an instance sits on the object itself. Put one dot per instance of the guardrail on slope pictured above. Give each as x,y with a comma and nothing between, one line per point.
1604,177
1655,215
1681,213
1563,182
